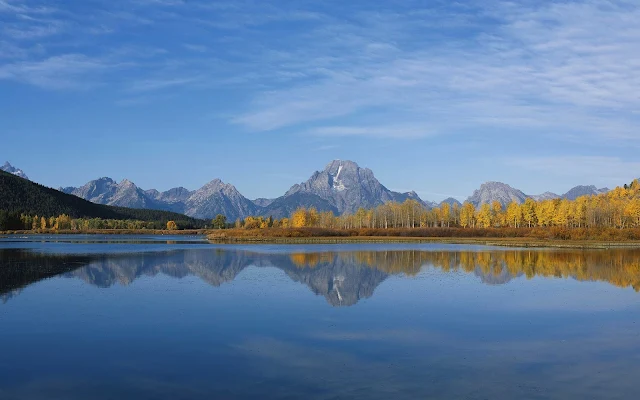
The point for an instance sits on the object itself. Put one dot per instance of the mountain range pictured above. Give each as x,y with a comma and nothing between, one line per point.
22,196
505,194
341,187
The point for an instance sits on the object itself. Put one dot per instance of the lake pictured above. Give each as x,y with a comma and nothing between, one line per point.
157,317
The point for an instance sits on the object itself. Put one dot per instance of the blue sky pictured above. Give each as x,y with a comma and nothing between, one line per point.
433,96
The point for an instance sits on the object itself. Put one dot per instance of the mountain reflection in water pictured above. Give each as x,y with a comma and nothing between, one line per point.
343,278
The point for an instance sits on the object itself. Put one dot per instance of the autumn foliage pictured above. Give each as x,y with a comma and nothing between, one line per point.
611,216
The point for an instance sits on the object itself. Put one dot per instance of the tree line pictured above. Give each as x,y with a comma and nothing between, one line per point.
63,222
619,208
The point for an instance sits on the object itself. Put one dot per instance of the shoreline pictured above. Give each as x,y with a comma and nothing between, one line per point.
216,238
158,232
503,242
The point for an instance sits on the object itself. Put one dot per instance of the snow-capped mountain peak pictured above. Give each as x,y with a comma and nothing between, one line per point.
7,167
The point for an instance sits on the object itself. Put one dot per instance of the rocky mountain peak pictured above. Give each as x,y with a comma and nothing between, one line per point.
7,167
450,201
496,191
345,186
219,185
217,197
545,196
583,190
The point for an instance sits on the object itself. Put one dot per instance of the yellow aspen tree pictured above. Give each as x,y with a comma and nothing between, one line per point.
529,212
445,214
632,211
467,215
455,213
299,218
545,212
561,215
360,216
579,211
514,214
496,213
312,217
437,214
483,216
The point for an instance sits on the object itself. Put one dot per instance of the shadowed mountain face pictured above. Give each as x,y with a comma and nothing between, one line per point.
342,278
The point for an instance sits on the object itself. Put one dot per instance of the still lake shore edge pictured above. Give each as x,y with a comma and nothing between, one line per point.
504,242
154,232
488,237
233,236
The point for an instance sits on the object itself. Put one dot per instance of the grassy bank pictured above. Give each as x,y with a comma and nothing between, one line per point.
583,238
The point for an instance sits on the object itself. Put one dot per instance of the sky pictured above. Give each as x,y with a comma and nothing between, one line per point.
433,96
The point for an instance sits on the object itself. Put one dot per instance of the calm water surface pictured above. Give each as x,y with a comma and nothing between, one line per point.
91,317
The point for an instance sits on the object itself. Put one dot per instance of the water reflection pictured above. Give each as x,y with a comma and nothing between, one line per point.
343,278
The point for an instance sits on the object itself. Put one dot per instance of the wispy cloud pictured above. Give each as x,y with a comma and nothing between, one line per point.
327,147
22,7
156,84
567,70
557,67
58,72
390,131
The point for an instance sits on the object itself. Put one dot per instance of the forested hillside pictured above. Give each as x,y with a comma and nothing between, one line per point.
19,196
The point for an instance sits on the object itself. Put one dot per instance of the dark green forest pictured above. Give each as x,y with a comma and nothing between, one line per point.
19,197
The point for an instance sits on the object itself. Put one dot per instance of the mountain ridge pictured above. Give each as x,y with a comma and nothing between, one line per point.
348,187
497,191
342,187
19,195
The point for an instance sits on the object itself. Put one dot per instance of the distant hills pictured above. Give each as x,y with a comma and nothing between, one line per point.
341,187
19,195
